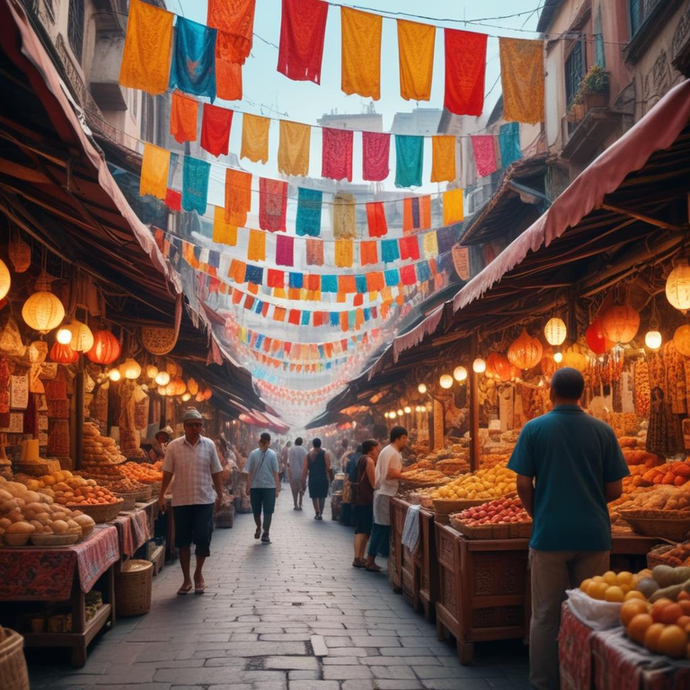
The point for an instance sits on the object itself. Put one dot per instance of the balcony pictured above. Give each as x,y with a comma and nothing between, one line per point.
103,82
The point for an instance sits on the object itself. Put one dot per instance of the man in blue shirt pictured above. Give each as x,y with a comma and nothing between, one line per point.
569,467
263,484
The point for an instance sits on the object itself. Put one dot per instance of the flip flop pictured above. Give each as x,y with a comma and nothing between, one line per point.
375,569
185,589
257,534
199,589
265,539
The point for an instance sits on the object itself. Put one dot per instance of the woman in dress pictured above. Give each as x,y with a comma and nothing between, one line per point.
364,500
318,468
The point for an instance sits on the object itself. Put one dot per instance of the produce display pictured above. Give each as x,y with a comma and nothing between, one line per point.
615,587
420,475
499,512
146,474
660,497
485,483
68,489
674,473
99,450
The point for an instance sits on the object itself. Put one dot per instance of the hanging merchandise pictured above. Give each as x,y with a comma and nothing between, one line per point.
195,174
430,244
158,341
184,114
215,130
361,53
148,46
443,159
293,149
375,156
238,196
376,219
255,138
309,203
285,248
416,57
465,54
228,73
336,151
193,68
453,207
235,18
173,200
509,143
19,253
155,164
409,248
256,249
409,155
344,253
484,150
302,31
390,251
223,232
106,348
522,80
344,216
315,253
272,204
63,354
416,213
368,253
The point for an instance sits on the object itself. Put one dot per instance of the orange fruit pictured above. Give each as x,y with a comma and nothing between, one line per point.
585,583
597,590
624,578
685,605
632,608
637,627
683,621
634,594
673,641
610,577
615,594
652,637
658,605
669,614
683,596
598,578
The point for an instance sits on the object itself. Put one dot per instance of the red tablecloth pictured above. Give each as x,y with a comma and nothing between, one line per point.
46,574
133,530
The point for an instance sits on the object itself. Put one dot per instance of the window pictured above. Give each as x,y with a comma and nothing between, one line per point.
75,27
599,53
574,71
639,11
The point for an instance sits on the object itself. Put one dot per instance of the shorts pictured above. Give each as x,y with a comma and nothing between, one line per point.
364,519
194,523
263,498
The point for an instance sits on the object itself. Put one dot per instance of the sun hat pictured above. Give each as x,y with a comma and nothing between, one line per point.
192,414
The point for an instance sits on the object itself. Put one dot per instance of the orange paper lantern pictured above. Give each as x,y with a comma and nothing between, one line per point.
620,323
63,354
574,359
497,365
180,387
526,351
681,340
597,342
192,386
106,348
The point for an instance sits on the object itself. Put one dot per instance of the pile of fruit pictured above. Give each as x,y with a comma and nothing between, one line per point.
635,457
499,512
117,484
660,497
671,473
614,587
482,484
146,474
68,489
423,476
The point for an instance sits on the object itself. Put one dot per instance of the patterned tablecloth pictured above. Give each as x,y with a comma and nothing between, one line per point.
133,530
46,574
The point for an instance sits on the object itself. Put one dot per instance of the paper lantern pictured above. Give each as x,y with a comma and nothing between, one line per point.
192,386
179,384
555,331
43,311
422,388
151,371
681,340
620,323
678,286
114,375
653,340
106,348
199,397
408,409
460,374
573,358
558,357
186,397
400,413
525,352
497,365
131,369
208,393
170,389
479,366
5,279
20,254
63,354
161,391
597,342
446,381
82,337
162,378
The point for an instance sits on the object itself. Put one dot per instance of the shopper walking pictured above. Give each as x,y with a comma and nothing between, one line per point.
388,469
193,462
318,468
296,458
347,515
569,466
363,498
263,485
284,454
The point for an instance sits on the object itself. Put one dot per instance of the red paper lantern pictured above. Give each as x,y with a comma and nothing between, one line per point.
499,366
63,354
106,348
597,342
526,351
620,323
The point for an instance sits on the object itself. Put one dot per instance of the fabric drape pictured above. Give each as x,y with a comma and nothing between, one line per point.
375,156
148,47
173,200
390,251
344,216
255,138
522,79
193,68
302,30
344,253
275,279
409,156
368,253
155,166
408,276
309,204
423,272
184,114
215,129
509,143
293,149
256,247
238,196
272,205
376,219
452,207
465,71
236,19
237,270
314,253
195,174
223,232
336,156
416,57
254,275
484,149
409,248
361,53
416,213
430,244
285,248
228,74
443,159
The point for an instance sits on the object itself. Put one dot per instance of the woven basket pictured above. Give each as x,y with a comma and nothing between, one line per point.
13,672
671,526
55,539
158,341
144,495
99,513
129,500
657,555
133,588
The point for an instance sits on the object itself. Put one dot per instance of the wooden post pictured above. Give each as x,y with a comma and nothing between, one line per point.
164,411
473,401
79,414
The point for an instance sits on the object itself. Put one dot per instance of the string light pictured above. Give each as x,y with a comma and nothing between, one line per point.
446,381
479,366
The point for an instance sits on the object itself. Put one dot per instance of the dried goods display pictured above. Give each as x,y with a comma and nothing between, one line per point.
68,489
146,474
99,450
423,476
484,483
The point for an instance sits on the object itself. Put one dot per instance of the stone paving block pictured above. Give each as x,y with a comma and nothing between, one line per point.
318,645
342,661
347,651
303,663
347,673
314,685
455,684
359,685
375,641
394,672
304,675
384,660
383,684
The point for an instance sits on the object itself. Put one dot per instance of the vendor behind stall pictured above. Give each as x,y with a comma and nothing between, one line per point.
155,449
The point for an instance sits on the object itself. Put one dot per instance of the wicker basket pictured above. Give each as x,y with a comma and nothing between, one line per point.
130,501
673,525
13,672
657,556
99,513
55,539
133,588
144,495
15,540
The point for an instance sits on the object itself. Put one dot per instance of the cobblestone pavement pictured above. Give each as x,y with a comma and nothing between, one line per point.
293,615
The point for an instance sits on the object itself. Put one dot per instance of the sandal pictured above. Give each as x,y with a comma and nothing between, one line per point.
257,534
200,589
265,539
185,589
372,569
359,563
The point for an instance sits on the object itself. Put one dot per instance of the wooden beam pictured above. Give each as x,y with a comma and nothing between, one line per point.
641,217
473,393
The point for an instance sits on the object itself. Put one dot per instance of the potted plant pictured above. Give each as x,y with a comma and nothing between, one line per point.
594,88
577,108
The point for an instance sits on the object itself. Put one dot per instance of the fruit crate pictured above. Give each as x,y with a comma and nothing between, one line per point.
428,586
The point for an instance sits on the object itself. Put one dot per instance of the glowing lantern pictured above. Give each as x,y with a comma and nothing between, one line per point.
105,349
575,359
385,415
558,357
5,279
208,394
597,342
408,409
555,331
64,336
114,375
681,340
82,337
498,366
199,397
446,381
180,385
422,388
479,366
186,397
460,374
162,378
620,323
653,340
678,286
161,391
131,369
192,386
525,352
392,414
400,413
170,389
43,311
151,371
63,354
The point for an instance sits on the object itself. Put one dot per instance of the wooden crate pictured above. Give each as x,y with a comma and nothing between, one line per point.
395,562
428,586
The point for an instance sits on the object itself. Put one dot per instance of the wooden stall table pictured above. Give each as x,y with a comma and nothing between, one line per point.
428,586
64,574
134,529
398,513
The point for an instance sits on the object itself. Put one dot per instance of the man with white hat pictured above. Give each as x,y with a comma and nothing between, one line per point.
193,461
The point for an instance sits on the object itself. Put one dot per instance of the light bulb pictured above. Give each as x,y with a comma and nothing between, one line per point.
558,357
162,378
64,336
385,415
408,409
151,371
392,414
653,340
422,388
186,397
446,381
400,413
114,375
460,374
479,366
